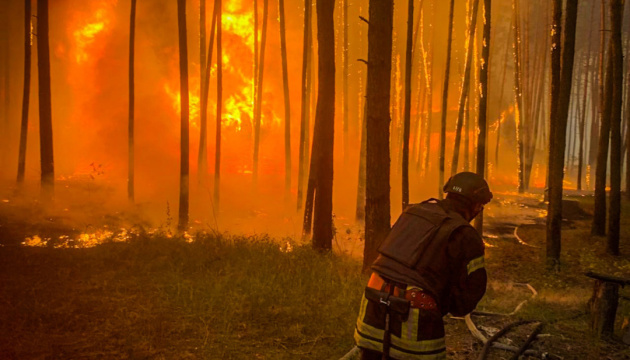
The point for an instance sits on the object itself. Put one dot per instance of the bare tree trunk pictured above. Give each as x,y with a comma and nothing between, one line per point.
26,93
377,208
465,86
583,114
483,101
427,59
321,176
407,115
305,111
219,117
360,207
616,11
202,164
559,111
346,97
183,80
45,107
287,103
202,160
445,98
259,89
518,99
501,117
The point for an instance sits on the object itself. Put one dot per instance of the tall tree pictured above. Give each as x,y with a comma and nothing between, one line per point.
616,12
346,97
587,70
320,181
447,72
407,115
483,100
599,212
377,207
182,224
217,153
27,91
305,104
45,107
287,103
518,95
465,86
202,158
259,89
562,77
131,162
360,205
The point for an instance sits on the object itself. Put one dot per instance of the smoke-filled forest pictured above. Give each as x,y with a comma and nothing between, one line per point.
212,179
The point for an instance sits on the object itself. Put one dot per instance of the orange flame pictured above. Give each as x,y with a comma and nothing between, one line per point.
86,34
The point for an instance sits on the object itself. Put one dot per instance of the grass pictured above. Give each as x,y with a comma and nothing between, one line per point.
231,297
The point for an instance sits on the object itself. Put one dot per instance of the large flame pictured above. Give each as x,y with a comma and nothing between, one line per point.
87,32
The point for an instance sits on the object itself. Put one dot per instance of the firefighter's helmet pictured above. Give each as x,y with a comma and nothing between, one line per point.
469,185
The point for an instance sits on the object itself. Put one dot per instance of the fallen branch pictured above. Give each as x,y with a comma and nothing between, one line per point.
528,342
500,333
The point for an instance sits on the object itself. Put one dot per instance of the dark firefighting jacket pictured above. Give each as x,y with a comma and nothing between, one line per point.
435,248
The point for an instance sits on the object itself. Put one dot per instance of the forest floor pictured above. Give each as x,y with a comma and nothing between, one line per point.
147,294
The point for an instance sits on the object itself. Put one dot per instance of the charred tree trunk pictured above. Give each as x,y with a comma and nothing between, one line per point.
518,99
377,207
360,212
502,114
465,87
287,103
561,93
259,89
217,153
45,107
131,163
202,160
183,86
321,169
202,165
26,93
445,98
305,110
407,117
614,210
483,101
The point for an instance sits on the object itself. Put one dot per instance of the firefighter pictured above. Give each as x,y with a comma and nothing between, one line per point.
431,264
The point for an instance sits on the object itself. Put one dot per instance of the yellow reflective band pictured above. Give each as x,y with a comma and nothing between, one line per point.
406,356
475,264
418,345
412,324
366,343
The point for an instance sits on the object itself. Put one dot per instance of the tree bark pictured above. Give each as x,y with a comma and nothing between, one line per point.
205,85
259,90
561,93
26,93
483,101
219,117
305,106
45,106
377,208
603,306
202,160
407,115
360,206
346,97
321,174
614,209
183,86
445,98
287,103
465,87
518,98
585,100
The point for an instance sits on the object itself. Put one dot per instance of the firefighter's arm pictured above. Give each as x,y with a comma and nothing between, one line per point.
468,275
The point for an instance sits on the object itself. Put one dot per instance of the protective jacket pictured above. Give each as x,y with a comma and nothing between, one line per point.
434,249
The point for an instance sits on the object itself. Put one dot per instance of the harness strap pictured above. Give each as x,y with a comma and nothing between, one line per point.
387,334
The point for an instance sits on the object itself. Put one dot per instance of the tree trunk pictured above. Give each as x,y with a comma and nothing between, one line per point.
205,85
407,115
502,113
445,98
427,59
287,103
360,207
45,107
259,90
27,92
585,100
559,114
518,99
321,176
183,88
465,87
305,110
614,210
603,305
346,97
483,101
202,159
219,117
132,94
377,207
